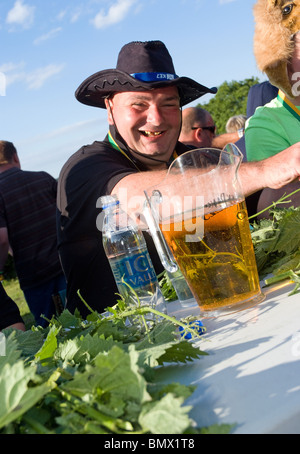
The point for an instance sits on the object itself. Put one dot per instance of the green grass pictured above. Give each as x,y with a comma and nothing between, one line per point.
13,290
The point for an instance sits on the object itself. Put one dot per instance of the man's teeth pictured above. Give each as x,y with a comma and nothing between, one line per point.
149,133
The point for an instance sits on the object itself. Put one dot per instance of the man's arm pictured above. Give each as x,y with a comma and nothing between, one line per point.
273,172
130,189
4,247
223,139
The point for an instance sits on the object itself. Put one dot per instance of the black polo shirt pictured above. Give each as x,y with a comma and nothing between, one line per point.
90,173
28,211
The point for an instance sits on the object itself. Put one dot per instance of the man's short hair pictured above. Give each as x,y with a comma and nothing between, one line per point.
7,152
194,116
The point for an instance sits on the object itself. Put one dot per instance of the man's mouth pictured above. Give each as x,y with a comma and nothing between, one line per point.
151,133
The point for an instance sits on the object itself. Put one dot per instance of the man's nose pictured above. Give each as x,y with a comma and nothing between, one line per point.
154,115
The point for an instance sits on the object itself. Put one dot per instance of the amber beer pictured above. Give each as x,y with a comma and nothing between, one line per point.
220,268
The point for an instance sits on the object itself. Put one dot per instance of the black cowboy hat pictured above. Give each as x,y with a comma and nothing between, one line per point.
141,66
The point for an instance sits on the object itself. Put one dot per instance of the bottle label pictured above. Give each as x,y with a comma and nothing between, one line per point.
136,270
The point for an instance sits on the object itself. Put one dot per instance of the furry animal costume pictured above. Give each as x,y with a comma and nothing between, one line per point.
276,21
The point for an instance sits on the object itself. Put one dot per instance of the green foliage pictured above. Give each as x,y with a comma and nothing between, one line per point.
276,242
95,376
231,99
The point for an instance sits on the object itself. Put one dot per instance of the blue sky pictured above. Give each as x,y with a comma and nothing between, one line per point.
48,47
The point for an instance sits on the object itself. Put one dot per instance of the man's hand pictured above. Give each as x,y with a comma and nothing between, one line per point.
282,168
274,172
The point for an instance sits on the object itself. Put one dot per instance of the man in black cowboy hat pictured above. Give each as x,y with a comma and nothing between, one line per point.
143,97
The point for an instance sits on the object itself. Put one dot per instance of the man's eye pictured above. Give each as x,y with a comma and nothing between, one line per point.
138,105
173,105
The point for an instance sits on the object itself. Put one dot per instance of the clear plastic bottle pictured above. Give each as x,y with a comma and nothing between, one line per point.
127,253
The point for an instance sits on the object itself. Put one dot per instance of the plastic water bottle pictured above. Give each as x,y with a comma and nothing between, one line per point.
129,259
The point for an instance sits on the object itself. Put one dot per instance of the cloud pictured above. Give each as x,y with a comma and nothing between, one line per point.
9,67
61,15
51,34
34,79
21,14
223,2
50,151
75,16
13,72
115,14
38,77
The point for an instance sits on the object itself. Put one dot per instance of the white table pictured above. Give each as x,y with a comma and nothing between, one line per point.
251,376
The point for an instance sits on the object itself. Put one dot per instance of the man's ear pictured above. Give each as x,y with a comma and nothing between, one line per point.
198,133
108,105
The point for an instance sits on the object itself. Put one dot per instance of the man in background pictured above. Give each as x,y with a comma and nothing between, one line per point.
28,229
199,130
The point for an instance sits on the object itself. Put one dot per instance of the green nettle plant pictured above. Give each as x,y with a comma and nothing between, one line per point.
98,376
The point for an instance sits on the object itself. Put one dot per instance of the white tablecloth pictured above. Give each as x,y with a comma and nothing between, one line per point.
251,376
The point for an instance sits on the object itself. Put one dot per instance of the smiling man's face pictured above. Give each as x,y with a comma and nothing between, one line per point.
148,121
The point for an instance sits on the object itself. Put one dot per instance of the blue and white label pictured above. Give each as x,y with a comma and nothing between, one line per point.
136,269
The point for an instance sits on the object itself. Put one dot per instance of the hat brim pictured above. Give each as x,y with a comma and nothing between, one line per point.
100,85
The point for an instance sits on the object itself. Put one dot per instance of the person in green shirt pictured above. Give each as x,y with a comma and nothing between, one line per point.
271,129
275,127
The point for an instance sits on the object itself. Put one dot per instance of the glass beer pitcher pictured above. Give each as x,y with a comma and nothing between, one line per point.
199,222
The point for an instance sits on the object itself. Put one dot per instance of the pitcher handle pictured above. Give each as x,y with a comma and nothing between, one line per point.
162,248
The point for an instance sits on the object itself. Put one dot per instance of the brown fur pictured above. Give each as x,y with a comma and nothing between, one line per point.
273,46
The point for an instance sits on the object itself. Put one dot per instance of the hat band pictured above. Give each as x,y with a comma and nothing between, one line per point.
154,77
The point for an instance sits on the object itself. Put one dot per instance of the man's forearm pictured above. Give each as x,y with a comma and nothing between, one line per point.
274,172
130,190
250,175
223,139
4,247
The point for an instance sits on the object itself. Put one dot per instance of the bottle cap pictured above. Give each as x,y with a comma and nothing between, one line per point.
108,200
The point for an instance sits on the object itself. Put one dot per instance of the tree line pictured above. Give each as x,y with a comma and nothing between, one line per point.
230,100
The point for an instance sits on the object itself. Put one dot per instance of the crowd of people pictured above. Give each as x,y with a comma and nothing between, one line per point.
148,126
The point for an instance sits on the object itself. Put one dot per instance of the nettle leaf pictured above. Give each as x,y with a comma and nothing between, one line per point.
120,374
166,416
67,350
15,395
68,320
29,342
181,352
50,345
115,372
153,346
95,344
286,263
289,239
12,353
84,349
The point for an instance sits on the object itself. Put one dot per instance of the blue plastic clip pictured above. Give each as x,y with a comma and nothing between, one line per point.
198,326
